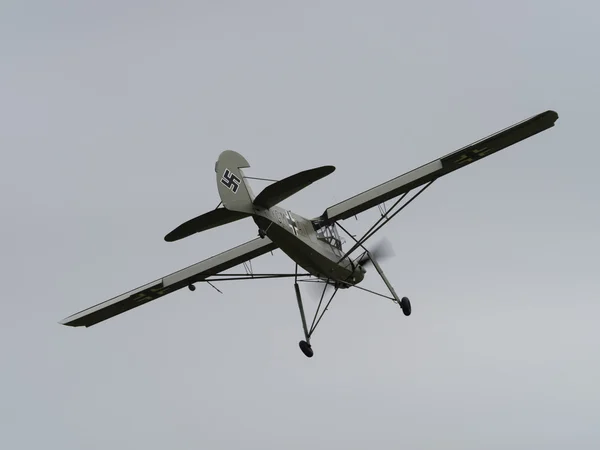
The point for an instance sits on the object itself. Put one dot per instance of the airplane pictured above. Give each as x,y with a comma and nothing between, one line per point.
314,245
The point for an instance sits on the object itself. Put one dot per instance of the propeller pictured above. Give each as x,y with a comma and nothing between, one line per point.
381,251
315,290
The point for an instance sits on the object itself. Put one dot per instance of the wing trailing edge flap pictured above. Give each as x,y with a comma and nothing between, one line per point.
282,189
170,283
206,221
442,166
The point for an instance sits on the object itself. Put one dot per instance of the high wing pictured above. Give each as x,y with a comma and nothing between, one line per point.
440,167
170,283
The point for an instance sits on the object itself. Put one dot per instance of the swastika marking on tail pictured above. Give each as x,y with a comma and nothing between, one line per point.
231,181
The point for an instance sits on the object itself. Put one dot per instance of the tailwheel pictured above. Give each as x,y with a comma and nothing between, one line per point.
405,305
306,349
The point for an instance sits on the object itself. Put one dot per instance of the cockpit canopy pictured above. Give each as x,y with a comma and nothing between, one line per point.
330,235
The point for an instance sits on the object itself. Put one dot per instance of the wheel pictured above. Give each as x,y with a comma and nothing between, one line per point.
306,349
191,287
261,233
405,305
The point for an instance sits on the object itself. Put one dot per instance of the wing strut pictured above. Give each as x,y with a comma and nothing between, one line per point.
385,218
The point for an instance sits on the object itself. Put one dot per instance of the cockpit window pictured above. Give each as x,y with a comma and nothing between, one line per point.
330,235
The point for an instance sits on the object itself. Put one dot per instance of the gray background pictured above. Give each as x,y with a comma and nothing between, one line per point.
113,114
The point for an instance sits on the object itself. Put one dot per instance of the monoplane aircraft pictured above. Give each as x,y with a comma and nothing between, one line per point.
314,244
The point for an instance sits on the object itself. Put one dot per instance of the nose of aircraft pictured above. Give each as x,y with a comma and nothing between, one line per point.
359,274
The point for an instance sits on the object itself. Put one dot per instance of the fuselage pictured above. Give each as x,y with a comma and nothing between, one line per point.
319,252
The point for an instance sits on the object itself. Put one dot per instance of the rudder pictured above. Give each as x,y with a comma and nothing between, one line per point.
235,194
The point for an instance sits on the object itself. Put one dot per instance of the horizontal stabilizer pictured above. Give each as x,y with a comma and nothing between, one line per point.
282,189
211,219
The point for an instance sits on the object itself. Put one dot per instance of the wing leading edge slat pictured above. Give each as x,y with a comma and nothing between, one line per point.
442,166
170,283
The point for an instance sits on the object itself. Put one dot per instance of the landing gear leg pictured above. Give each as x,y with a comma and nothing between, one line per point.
304,345
404,303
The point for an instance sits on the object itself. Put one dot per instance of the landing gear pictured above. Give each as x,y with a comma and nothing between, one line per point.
306,349
305,344
405,305
191,287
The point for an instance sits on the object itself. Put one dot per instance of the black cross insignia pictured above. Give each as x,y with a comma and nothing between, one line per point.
292,223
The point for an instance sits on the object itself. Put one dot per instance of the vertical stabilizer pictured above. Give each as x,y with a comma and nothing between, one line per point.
235,194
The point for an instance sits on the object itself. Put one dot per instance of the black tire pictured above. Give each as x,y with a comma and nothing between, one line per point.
306,349
405,305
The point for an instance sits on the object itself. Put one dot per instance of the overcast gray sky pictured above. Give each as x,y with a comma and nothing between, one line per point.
113,114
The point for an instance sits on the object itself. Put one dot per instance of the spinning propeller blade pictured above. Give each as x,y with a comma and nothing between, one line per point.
382,250
315,290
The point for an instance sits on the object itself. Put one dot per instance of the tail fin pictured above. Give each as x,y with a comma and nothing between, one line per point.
235,194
